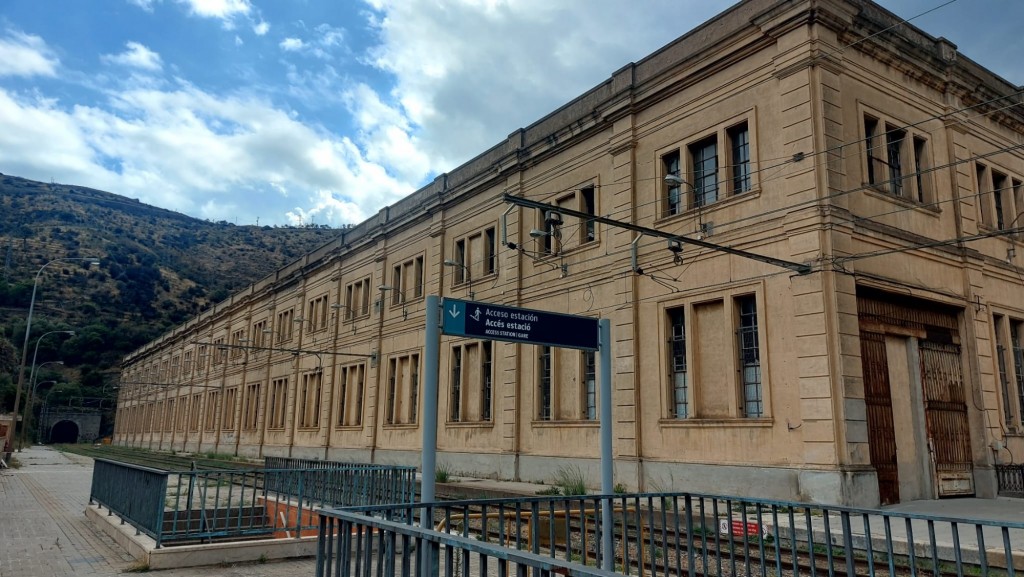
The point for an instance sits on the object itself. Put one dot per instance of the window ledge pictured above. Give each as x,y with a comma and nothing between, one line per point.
470,424
401,426
405,303
348,427
929,208
737,422
559,424
693,211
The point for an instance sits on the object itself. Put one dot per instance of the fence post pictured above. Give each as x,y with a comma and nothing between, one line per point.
298,515
160,511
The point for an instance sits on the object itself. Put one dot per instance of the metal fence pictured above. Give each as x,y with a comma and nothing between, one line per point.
175,507
657,534
350,483
1010,480
135,493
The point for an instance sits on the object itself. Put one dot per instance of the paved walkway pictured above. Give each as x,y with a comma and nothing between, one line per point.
44,532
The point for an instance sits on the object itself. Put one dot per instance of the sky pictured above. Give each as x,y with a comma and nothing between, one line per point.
288,112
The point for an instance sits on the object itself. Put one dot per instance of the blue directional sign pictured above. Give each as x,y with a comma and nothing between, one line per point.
518,325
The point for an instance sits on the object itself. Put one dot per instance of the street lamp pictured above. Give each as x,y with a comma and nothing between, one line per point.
29,401
32,380
28,332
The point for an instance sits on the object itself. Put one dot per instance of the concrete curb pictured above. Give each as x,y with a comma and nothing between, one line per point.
144,548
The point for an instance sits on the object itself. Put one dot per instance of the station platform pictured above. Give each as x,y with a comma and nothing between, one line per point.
44,530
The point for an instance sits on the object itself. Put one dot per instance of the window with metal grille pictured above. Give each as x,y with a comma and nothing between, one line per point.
278,402
212,404
403,389
673,191
230,404
590,385
250,415
309,400
750,357
1000,195
679,380
487,385
455,404
739,142
1016,330
544,377
704,156
894,154
350,398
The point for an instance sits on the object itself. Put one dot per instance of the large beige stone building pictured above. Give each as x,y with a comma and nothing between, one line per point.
824,133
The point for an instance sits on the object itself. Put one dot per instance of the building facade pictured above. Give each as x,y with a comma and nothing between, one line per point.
885,366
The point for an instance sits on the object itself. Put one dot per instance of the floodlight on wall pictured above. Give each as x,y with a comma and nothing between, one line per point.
634,256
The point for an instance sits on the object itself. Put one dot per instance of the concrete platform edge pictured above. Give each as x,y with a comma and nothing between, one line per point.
144,548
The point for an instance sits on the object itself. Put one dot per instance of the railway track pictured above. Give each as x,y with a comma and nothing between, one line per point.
661,550
157,460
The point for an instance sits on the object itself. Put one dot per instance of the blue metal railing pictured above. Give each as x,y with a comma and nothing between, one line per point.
190,506
135,493
655,534
354,484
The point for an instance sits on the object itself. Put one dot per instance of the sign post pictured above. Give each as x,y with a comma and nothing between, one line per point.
431,354
518,325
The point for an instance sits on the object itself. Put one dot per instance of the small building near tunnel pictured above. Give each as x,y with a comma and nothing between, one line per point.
826,133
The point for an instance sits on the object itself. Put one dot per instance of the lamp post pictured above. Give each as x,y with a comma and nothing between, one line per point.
32,380
29,401
28,332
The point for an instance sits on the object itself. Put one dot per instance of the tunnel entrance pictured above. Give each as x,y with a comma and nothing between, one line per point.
64,432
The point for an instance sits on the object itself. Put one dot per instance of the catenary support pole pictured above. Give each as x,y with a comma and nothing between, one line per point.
607,477
431,354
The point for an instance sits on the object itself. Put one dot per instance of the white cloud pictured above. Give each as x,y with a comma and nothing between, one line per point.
261,29
146,5
136,56
292,44
26,55
326,43
218,157
223,9
471,73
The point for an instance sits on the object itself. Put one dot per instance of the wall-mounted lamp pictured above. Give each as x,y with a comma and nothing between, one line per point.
674,180
380,303
351,313
468,278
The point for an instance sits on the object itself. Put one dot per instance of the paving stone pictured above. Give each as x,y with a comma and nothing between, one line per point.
44,531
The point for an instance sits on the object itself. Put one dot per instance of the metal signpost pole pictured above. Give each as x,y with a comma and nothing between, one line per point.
431,353
605,370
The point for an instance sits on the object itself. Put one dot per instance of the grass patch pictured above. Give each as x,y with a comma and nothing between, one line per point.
137,567
444,473
571,481
550,491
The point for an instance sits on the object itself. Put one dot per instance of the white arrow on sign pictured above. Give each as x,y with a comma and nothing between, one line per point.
454,312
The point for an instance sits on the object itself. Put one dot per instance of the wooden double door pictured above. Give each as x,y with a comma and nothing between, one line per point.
918,431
